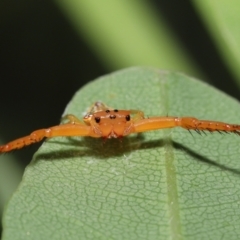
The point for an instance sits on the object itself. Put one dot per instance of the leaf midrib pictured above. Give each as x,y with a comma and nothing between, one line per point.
172,192
171,180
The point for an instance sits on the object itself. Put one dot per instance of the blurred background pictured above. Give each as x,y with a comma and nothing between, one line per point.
50,49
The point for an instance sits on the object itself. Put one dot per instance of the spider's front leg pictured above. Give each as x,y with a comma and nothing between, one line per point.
153,123
207,125
68,130
189,123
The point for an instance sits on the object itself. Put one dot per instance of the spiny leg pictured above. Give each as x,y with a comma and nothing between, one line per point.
38,135
207,125
34,137
188,123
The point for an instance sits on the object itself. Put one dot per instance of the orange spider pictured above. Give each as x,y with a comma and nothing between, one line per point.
106,122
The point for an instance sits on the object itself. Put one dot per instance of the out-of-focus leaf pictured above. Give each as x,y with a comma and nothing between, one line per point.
166,184
222,19
127,33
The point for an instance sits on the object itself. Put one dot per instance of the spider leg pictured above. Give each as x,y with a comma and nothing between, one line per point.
153,123
72,119
189,123
68,130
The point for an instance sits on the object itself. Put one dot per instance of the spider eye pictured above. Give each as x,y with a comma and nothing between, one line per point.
97,119
115,110
107,111
112,116
128,117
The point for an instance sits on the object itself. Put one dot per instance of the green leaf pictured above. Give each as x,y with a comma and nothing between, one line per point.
166,184
222,19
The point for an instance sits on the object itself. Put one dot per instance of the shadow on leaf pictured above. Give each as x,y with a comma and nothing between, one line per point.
104,149
204,159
